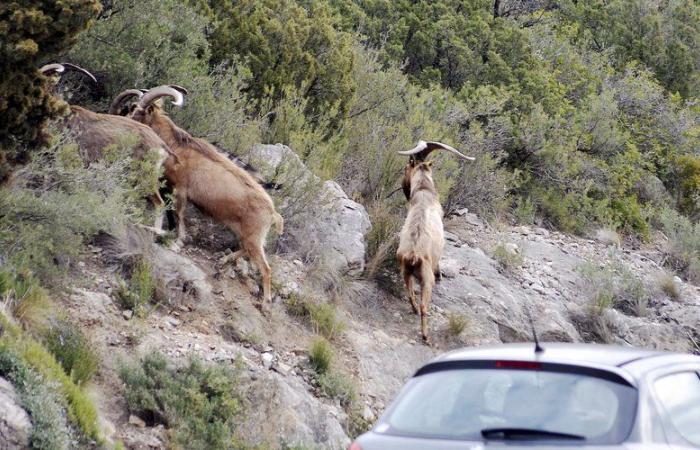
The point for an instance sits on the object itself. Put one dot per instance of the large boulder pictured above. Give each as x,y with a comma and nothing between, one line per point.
321,223
15,425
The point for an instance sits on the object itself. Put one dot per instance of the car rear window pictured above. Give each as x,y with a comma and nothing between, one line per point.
459,403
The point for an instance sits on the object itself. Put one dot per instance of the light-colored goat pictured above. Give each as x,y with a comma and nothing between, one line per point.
213,183
422,240
94,131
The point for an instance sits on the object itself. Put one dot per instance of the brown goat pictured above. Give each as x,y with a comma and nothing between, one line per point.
94,131
422,239
213,183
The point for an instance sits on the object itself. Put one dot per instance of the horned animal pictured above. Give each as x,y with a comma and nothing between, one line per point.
95,131
209,180
421,240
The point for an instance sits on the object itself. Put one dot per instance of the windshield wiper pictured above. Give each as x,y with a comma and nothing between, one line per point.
527,434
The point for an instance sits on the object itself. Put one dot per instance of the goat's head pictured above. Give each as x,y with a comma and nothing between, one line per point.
418,164
148,108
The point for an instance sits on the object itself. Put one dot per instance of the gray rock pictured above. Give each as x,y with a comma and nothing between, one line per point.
15,424
178,277
321,222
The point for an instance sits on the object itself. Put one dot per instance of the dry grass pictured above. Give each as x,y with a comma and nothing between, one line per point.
669,286
456,324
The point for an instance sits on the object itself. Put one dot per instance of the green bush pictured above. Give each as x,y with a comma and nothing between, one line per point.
26,300
138,293
73,350
683,247
50,430
321,355
200,403
82,412
508,260
615,285
324,319
337,385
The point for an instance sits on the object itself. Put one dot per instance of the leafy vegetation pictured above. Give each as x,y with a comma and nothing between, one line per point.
138,292
73,350
200,403
321,356
615,285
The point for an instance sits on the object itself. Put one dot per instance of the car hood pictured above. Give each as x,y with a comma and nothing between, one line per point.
376,441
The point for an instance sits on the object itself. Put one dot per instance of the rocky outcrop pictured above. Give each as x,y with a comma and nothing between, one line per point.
15,425
322,225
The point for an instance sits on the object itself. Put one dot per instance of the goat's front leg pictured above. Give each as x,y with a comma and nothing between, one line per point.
180,208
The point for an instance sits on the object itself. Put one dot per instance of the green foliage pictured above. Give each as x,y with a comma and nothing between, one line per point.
508,260
324,319
336,385
73,350
50,430
456,324
138,293
669,286
55,205
81,411
615,285
683,247
200,403
33,31
24,297
321,355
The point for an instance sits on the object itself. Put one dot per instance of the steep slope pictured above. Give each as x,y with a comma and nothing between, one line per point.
212,312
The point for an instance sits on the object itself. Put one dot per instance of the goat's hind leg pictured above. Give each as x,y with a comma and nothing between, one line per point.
408,280
427,283
257,256
180,208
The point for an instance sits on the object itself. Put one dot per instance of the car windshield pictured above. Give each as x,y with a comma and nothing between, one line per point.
461,403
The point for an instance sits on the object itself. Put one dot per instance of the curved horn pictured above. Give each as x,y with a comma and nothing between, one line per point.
81,70
423,149
119,99
179,88
162,91
51,68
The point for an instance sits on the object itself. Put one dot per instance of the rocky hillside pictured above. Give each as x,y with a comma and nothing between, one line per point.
493,276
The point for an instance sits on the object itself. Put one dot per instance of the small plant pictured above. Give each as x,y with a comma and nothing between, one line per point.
139,291
508,260
200,403
614,285
73,350
321,355
324,319
25,298
337,385
669,286
456,324
357,424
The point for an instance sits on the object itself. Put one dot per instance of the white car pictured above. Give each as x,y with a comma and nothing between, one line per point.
566,395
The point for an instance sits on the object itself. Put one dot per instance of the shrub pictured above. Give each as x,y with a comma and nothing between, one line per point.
73,350
669,286
50,430
337,385
26,300
324,319
508,260
81,410
321,355
137,294
200,403
683,247
456,324
614,285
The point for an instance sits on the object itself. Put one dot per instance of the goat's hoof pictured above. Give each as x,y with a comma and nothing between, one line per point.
426,340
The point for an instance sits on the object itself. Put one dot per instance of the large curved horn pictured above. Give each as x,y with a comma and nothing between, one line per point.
423,149
119,99
162,91
48,69
183,90
76,68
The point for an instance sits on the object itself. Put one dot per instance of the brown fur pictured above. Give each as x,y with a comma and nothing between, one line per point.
94,131
218,187
421,241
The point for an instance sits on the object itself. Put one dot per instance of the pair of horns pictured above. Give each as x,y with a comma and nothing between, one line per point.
423,149
59,68
146,97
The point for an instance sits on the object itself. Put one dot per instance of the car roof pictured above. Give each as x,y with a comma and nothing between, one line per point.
612,357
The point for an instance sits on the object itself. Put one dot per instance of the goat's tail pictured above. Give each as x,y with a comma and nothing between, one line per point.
279,222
